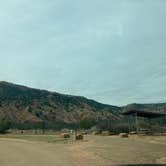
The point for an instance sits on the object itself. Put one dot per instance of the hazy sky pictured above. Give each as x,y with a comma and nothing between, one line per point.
113,51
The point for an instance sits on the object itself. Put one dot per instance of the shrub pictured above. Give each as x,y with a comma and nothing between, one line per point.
87,123
4,126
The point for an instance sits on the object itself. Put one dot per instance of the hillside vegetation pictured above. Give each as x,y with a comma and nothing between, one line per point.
25,108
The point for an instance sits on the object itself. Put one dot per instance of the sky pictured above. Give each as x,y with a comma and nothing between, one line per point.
112,51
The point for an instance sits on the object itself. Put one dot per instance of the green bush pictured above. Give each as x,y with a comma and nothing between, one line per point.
4,126
87,123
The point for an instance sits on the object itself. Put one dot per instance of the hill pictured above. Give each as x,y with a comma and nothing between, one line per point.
28,107
24,105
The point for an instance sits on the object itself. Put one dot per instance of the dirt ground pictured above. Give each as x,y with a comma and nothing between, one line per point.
93,151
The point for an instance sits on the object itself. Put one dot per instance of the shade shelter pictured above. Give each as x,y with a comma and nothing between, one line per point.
144,114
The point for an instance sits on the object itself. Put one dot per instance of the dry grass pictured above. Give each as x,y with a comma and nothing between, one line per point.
106,133
36,138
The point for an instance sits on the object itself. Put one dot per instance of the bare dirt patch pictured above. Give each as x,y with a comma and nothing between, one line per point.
93,151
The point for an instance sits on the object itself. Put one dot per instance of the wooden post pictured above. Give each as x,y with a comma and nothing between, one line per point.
75,133
43,128
136,121
129,124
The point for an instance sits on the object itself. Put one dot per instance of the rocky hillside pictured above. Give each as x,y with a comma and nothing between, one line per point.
23,105
20,104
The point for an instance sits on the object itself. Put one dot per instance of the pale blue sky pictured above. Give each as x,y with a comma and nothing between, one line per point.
113,51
